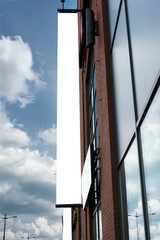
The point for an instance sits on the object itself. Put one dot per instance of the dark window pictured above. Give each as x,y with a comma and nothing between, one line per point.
93,130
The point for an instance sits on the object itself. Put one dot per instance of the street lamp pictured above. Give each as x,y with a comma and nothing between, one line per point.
28,237
136,216
5,218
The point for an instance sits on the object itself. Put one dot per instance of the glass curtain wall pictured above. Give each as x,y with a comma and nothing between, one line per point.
135,56
93,129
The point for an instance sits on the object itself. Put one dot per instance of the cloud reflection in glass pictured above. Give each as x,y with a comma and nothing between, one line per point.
150,132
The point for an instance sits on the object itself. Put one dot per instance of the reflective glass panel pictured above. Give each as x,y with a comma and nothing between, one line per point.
133,190
100,223
122,85
96,136
92,97
113,6
94,228
93,125
97,225
95,108
144,18
94,83
151,153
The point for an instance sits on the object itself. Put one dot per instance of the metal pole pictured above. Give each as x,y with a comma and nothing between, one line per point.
137,226
5,218
62,1
4,227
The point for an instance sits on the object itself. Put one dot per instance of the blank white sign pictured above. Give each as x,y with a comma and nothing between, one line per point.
86,177
67,224
68,112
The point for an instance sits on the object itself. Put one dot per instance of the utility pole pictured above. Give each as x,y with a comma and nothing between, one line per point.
5,218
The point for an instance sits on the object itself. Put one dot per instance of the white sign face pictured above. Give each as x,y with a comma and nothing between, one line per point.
86,177
68,112
67,224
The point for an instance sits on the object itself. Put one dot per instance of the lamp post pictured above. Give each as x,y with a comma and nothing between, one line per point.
5,218
28,237
136,216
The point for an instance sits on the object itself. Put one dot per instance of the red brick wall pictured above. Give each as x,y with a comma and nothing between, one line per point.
106,131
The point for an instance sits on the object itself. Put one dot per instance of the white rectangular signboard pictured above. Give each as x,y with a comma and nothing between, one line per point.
86,177
67,224
68,113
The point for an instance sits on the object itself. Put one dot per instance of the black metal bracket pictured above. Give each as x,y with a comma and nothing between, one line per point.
69,10
76,205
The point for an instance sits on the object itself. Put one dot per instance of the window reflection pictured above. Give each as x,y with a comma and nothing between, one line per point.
113,12
133,191
94,229
144,18
150,132
100,223
97,225
122,85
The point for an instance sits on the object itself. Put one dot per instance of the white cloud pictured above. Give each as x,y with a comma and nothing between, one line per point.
153,208
10,235
16,74
48,136
10,135
154,205
27,165
22,162
39,227
4,188
27,184
44,228
13,136
27,187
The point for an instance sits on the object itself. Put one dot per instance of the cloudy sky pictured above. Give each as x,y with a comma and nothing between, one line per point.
28,118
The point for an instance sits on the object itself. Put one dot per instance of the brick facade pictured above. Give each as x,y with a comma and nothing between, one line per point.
106,131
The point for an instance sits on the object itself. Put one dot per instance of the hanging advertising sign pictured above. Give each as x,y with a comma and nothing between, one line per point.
86,177
68,192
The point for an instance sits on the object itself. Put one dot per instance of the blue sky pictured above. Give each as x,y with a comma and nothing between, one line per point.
28,118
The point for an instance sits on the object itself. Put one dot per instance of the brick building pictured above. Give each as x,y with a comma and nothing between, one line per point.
119,71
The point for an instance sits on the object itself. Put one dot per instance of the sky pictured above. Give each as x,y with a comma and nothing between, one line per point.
28,118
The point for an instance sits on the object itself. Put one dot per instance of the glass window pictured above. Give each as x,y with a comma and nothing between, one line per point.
151,153
93,128
133,192
95,108
113,6
92,96
96,137
100,223
93,125
92,105
97,225
94,228
144,18
94,81
122,85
